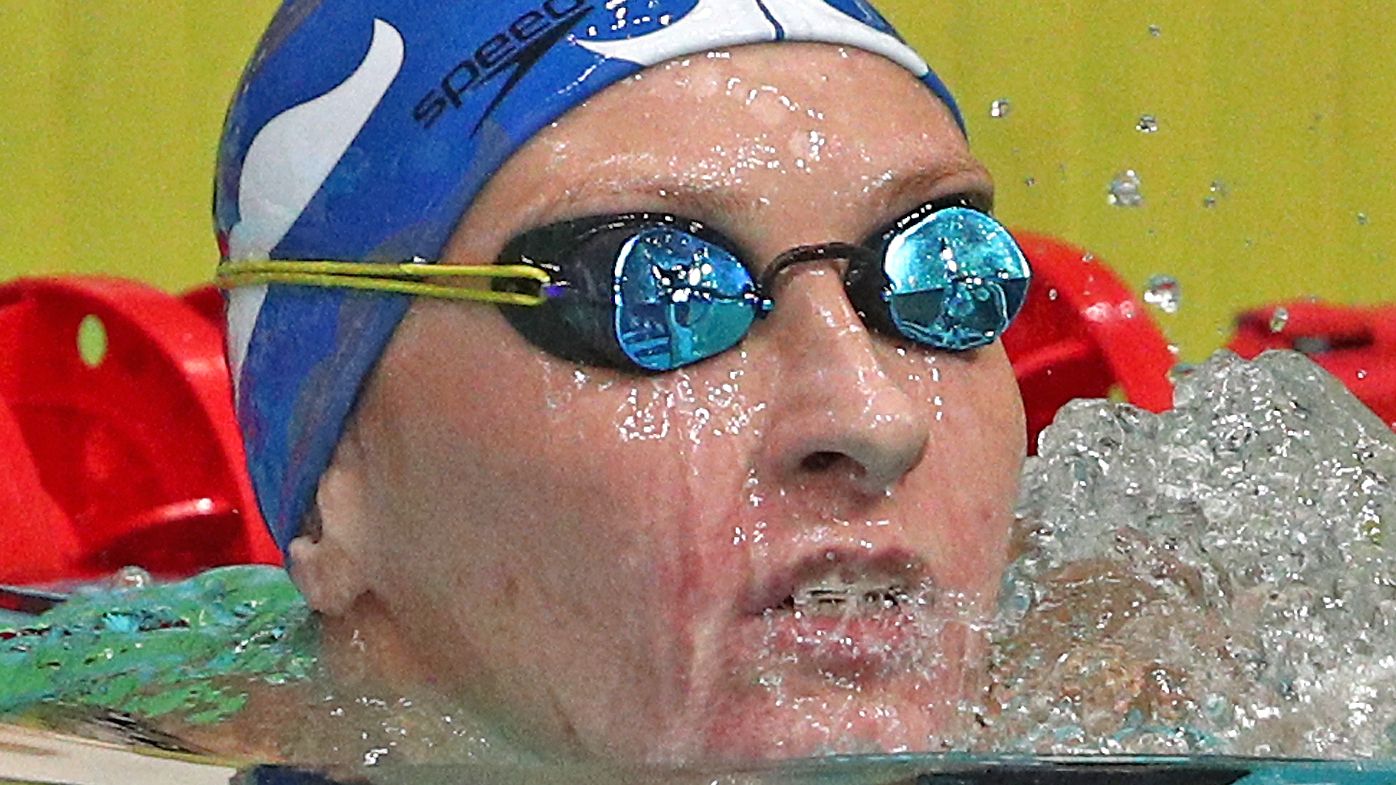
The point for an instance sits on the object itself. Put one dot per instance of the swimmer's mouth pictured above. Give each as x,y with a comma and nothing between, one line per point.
837,597
841,584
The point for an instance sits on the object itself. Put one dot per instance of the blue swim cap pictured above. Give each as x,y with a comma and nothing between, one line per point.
362,131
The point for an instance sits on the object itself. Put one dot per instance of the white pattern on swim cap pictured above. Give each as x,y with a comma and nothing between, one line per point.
286,164
815,20
711,23
718,23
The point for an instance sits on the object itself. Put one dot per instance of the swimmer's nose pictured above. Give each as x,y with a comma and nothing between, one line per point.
839,417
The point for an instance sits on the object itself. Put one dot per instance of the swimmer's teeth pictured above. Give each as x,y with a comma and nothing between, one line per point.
839,598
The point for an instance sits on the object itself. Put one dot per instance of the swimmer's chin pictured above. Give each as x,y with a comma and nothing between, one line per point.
835,724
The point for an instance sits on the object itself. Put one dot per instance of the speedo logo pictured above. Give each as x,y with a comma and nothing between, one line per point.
518,46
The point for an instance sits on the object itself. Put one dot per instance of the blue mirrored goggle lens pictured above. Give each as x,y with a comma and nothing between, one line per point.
679,299
957,279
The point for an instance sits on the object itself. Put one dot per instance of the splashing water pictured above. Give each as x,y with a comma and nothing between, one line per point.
1125,190
1164,292
1215,579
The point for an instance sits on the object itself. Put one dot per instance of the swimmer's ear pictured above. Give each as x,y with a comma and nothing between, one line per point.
323,561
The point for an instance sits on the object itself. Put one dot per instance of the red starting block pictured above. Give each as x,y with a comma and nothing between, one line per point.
133,456
1083,334
1357,345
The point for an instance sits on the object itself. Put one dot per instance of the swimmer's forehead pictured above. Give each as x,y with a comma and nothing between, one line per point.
608,189
691,134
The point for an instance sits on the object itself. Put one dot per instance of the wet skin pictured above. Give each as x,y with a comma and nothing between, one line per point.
606,562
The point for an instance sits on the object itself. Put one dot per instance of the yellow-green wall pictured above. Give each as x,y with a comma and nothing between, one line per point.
110,109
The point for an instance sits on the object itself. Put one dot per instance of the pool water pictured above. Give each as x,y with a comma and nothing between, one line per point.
150,651
1215,580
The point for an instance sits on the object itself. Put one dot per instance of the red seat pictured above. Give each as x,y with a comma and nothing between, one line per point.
1356,345
36,538
1083,334
208,301
136,446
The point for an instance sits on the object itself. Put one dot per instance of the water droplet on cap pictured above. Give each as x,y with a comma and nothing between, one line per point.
1163,292
1125,190
1000,107
1279,319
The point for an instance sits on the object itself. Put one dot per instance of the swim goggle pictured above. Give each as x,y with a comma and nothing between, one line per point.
652,292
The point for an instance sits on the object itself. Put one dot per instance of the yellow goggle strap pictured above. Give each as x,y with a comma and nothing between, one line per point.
402,278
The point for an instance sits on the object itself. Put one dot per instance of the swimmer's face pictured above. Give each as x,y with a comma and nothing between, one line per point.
630,566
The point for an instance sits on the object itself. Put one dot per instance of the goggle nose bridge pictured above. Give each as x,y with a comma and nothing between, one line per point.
859,258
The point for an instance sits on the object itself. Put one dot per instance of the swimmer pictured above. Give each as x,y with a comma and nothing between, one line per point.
627,372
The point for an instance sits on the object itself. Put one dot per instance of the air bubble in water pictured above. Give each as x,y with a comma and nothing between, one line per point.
1147,124
1125,190
1164,293
1279,319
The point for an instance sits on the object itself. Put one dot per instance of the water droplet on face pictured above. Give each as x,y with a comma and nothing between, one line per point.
1279,319
1148,124
1164,293
1000,108
1125,190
